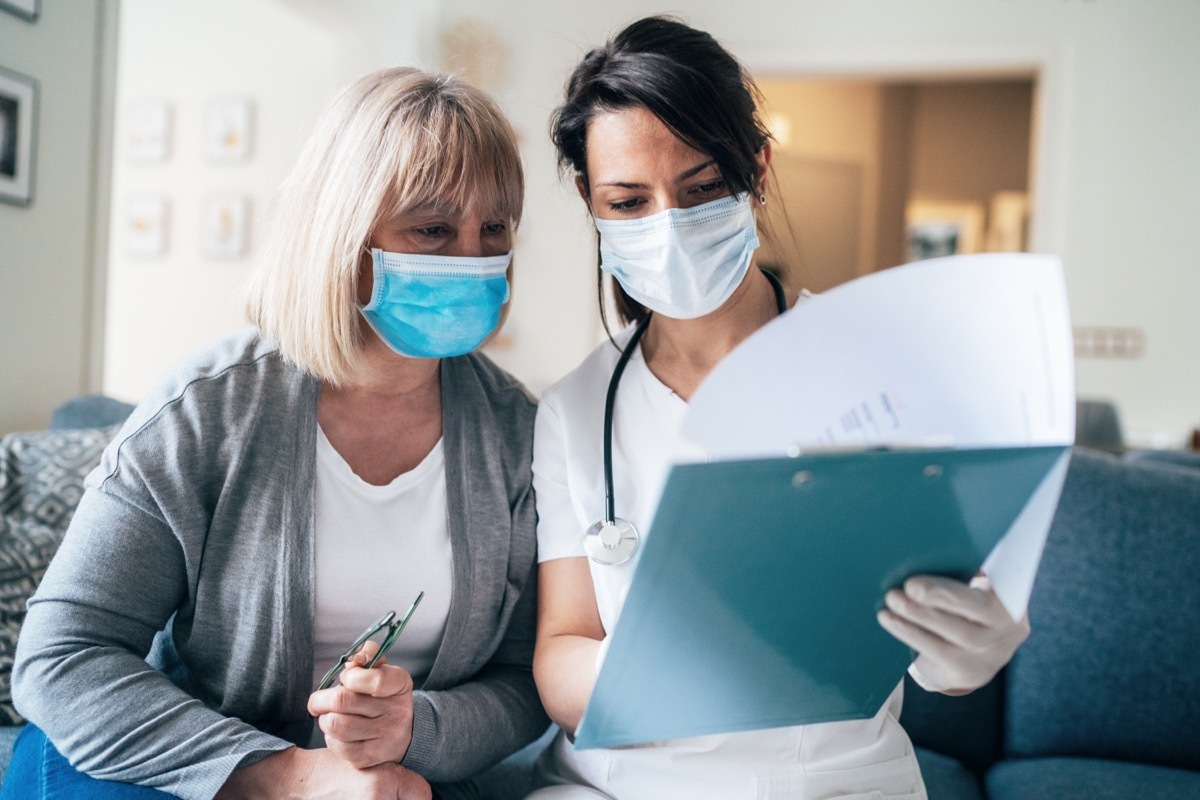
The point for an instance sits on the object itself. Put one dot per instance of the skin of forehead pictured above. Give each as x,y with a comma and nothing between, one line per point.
627,146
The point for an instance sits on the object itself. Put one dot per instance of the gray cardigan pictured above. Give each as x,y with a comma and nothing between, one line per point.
198,522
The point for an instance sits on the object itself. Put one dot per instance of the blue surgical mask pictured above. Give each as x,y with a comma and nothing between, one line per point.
683,262
436,306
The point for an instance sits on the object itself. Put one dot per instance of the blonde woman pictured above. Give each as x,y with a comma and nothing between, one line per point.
284,488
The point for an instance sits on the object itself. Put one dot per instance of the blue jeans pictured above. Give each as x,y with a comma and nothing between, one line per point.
39,772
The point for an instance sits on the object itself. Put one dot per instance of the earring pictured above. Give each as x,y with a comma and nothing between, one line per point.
762,199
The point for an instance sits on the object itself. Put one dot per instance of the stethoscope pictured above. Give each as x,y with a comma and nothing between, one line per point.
611,541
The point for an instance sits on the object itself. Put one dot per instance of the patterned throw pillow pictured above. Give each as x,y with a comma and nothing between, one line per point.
41,481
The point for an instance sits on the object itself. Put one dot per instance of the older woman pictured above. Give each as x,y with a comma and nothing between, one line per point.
284,488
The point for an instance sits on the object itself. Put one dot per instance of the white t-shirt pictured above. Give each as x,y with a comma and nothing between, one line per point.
377,547
840,759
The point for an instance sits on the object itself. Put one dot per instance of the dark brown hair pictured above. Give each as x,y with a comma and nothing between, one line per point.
685,78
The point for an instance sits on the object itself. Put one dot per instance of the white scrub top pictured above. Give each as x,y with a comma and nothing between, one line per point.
862,759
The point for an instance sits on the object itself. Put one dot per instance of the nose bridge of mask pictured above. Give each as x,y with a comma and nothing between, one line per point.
431,280
447,266
674,219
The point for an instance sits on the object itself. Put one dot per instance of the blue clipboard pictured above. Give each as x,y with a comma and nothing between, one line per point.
753,603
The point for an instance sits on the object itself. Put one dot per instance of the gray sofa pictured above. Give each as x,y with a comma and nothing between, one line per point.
1101,702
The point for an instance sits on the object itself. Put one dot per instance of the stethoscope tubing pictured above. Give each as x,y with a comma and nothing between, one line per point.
610,401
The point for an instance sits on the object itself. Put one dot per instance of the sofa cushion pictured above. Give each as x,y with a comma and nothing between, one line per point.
1087,779
41,481
969,727
1175,458
946,778
1098,426
512,778
1109,670
90,411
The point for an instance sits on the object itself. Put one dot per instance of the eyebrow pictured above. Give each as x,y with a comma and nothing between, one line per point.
440,208
683,176
448,210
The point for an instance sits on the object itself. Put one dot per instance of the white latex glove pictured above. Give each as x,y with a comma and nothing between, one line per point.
962,633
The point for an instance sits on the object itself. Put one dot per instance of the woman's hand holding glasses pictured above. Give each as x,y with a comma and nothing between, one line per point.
367,720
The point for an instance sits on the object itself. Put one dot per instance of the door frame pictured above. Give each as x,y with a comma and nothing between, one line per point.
1045,63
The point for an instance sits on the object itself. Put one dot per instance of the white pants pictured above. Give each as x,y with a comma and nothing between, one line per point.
852,760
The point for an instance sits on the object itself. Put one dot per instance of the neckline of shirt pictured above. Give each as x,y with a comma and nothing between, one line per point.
639,358
431,464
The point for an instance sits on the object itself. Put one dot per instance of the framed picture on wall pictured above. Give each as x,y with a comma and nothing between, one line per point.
148,132
229,129
1008,222
18,132
936,229
224,226
146,221
29,9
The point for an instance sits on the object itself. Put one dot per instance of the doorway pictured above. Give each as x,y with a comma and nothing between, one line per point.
872,173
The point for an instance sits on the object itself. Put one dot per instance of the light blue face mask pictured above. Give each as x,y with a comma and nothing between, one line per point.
436,306
683,262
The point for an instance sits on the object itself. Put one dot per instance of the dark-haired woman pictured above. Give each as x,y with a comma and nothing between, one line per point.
660,129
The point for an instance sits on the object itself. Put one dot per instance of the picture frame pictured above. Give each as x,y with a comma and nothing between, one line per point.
148,132
229,129
1008,222
26,9
943,228
18,136
225,226
146,224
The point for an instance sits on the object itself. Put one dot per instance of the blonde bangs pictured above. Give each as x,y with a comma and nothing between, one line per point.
456,149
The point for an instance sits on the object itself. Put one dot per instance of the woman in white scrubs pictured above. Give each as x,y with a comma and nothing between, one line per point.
660,129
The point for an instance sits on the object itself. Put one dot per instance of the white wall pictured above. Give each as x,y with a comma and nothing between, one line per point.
1116,188
290,57
47,250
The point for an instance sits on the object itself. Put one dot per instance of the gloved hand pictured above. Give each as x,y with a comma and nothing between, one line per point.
962,633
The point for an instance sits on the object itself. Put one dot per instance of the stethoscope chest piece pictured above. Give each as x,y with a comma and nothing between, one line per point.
610,542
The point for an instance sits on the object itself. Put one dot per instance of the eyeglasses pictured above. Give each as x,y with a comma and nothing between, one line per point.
387,621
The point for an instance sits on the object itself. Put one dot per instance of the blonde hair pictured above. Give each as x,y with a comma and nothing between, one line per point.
394,140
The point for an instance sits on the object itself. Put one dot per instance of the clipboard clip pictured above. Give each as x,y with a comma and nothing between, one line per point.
930,471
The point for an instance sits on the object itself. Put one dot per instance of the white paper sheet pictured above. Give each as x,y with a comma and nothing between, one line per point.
963,351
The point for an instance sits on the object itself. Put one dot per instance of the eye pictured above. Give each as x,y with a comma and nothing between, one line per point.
711,188
625,205
494,228
433,231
